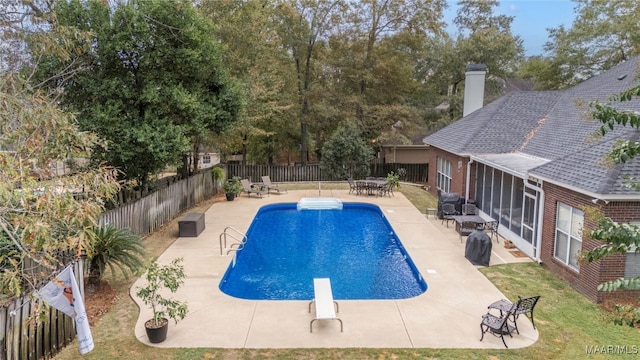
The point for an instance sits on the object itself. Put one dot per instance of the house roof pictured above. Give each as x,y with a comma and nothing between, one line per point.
549,135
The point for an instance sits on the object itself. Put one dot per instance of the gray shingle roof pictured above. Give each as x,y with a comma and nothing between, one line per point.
555,126
499,127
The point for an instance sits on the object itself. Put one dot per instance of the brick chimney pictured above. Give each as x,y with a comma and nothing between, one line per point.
474,88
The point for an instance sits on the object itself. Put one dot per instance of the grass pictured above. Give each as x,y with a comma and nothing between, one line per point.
567,322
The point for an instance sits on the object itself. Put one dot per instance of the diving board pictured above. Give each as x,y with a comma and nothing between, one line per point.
319,204
323,301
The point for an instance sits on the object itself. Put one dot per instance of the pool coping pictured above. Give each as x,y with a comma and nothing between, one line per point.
447,315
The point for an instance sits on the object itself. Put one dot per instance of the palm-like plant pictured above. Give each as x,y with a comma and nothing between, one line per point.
113,248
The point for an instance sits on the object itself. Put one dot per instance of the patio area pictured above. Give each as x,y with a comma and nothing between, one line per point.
447,315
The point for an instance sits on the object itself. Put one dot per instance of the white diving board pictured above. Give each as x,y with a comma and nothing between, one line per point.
324,303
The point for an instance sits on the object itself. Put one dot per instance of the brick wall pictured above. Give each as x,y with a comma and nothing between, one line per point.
458,170
590,275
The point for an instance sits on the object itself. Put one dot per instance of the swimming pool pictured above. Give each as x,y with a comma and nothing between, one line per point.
356,247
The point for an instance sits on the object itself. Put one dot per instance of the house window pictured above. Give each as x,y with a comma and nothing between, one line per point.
632,263
568,241
206,159
443,177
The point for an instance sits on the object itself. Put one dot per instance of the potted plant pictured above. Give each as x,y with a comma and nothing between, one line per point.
159,278
394,180
232,188
218,175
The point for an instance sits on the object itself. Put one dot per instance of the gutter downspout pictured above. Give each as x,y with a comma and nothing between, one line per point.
540,217
466,193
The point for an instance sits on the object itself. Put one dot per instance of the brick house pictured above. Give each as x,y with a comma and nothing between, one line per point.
531,160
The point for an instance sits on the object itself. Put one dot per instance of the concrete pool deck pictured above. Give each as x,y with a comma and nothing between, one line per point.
447,315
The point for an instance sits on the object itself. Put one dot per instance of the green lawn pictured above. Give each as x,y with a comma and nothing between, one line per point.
568,323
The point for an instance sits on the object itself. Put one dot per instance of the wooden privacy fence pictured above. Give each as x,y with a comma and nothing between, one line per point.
148,213
24,338
414,172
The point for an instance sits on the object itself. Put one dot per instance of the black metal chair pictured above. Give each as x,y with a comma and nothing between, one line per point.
448,211
466,228
352,186
469,209
492,228
523,306
386,189
498,325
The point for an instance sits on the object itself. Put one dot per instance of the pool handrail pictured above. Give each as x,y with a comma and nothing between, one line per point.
240,241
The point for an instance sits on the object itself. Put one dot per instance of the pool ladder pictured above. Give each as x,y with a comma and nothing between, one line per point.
236,235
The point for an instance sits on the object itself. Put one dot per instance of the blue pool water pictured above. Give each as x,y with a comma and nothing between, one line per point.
355,247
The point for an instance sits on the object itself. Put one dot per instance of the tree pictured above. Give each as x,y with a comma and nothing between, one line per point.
490,40
616,237
346,154
151,82
371,64
483,37
112,248
603,34
46,211
303,24
256,58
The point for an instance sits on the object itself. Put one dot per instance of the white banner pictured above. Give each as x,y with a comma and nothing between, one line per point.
63,294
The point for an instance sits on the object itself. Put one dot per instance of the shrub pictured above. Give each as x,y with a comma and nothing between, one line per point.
113,248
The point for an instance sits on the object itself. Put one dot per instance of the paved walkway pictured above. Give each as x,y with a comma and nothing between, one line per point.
447,315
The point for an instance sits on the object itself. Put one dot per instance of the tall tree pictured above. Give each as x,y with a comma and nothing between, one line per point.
49,202
376,52
303,24
489,41
153,84
603,34
256,58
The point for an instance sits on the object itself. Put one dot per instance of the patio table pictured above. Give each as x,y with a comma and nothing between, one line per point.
459,219
372,187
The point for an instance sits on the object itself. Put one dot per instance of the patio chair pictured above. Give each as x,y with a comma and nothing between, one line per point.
523,306
492,228
353,188
248,188
466,228
498,325
266,181
385,189
448,211
469,209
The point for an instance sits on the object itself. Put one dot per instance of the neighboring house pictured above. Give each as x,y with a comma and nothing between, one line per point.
402,154
208,160
533,161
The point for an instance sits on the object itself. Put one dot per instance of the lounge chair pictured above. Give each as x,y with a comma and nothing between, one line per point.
266,182
248,188
324,303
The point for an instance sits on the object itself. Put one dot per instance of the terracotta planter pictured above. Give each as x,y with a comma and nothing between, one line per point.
157,333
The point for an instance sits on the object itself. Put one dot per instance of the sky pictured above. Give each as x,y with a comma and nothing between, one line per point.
531,19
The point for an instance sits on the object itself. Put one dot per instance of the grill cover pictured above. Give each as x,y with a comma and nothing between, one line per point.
478,248
449,198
